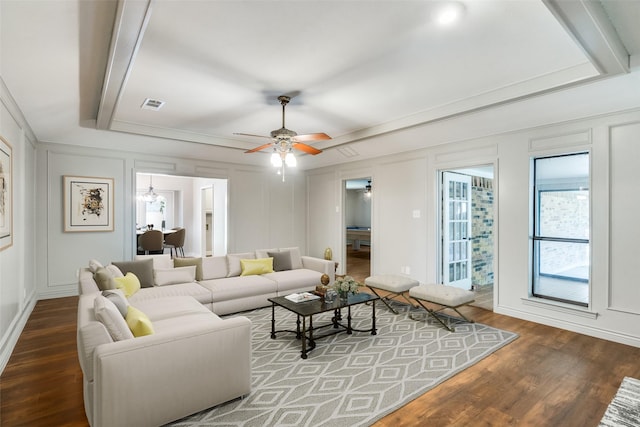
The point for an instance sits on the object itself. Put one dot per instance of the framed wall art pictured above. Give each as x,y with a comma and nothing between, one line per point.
6,194
88,204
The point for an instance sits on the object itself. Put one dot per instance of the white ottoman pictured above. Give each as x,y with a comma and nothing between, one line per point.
395,285
444,296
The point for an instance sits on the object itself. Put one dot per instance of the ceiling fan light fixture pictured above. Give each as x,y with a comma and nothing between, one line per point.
290,160
276,159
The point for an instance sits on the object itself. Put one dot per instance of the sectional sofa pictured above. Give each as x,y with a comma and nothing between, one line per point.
176,356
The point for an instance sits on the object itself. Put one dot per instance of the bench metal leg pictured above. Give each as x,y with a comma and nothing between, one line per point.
433,313
389,297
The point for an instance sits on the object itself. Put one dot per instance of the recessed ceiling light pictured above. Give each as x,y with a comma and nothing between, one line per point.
449,13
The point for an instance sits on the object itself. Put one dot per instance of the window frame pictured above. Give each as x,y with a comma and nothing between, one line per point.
536,237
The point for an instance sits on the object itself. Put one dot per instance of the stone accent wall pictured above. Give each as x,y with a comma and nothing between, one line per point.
565,214
482,231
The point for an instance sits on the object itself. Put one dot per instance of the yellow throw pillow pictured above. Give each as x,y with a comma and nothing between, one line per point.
138,322
129,284
256,266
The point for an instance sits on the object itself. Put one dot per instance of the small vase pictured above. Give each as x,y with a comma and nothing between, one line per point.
344,297
330,296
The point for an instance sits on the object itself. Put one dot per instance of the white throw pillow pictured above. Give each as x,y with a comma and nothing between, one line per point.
172,276
233,262
115,271
107,313
263,253
94,265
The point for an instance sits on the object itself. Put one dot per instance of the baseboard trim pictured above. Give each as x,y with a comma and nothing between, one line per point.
571,326
58,294
15,332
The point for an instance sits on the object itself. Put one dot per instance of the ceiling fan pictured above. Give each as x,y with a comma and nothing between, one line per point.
283,139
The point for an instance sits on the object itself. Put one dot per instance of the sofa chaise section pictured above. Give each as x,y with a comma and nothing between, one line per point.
194,360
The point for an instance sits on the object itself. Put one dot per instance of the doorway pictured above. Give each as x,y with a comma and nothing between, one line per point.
187,202
466,231
357,221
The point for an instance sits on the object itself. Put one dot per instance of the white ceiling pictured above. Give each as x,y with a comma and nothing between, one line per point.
378,76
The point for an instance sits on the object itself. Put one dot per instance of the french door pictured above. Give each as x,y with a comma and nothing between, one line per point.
456,230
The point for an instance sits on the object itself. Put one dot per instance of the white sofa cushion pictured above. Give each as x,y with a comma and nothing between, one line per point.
214,267
200,293
172,307
172,276
107,314
239,287
293,280
159,261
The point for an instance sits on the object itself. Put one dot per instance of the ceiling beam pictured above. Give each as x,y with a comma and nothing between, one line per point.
587,22
131,20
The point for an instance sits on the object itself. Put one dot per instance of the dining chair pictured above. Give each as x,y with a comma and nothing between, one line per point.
151,241
175,241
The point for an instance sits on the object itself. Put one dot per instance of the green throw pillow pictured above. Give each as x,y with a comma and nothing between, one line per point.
104,279
186,262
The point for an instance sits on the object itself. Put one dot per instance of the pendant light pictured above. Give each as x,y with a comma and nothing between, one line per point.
150,196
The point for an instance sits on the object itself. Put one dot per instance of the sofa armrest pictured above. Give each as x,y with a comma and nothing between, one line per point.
321,265
86,284
159,378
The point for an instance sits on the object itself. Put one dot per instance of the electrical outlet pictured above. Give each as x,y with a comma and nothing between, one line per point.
407,270
416,213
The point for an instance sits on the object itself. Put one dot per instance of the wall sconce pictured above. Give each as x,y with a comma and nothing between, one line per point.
367,189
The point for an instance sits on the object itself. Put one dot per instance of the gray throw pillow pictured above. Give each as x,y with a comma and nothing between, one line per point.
143,270
118,299
104,279
281,260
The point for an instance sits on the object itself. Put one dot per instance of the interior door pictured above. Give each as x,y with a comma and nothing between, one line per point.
456,230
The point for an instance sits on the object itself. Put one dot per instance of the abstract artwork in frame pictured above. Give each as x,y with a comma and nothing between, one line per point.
88,204
6,195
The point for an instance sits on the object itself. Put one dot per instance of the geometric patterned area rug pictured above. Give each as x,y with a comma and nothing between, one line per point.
624,409
348,380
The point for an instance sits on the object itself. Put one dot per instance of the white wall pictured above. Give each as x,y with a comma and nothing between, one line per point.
406,184
17,272
358,208
262,210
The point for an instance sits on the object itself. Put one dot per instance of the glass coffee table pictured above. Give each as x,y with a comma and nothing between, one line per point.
305,310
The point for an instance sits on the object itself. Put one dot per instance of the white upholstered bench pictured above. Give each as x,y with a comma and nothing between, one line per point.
395,285
444,296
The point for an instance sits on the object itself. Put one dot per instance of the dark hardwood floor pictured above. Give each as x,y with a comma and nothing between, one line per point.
547,377
359,263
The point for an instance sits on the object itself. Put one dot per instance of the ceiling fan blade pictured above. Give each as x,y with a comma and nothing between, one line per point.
306,148
249,134
262,147
311,137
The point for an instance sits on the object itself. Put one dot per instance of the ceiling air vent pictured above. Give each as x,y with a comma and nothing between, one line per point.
348,151
152,104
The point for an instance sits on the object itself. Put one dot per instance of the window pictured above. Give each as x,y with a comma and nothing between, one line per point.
561,224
